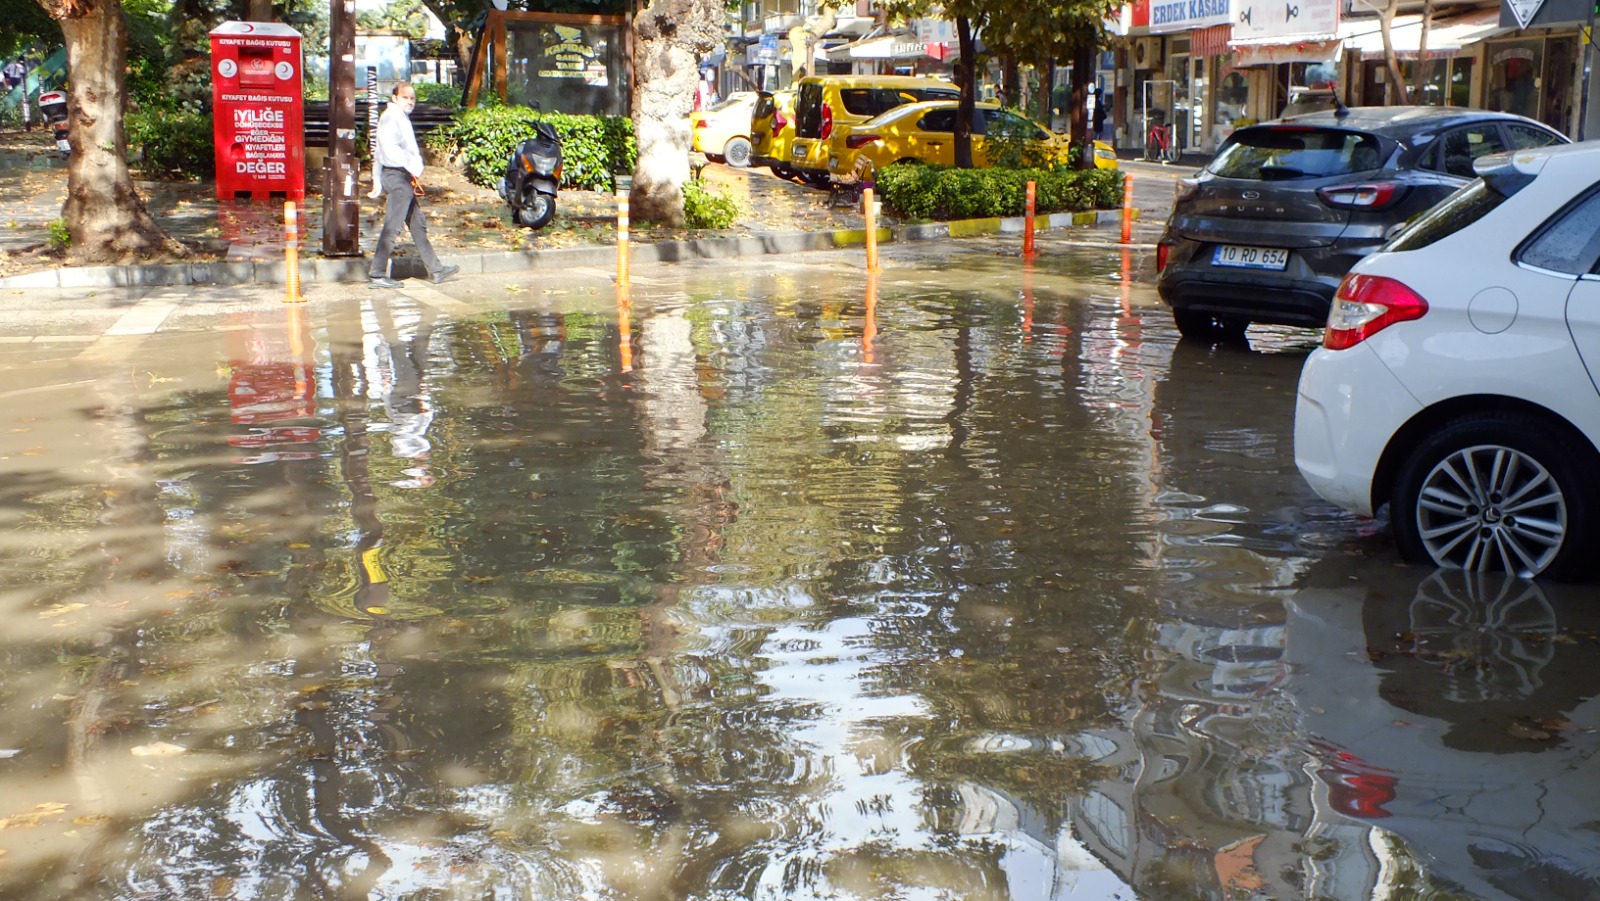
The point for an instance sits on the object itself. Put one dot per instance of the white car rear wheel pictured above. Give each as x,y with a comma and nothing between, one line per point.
1497,492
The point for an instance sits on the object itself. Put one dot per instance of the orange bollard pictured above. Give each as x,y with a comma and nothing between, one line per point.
1027,228
291,251
1127,209
622,236
871,209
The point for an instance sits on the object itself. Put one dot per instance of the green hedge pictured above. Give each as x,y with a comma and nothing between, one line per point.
172,142
920,192
592,147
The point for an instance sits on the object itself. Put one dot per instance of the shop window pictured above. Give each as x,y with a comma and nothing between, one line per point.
1514,78
1232,94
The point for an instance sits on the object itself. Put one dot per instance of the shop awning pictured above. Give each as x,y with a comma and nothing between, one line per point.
1446,38
1322,49
888,46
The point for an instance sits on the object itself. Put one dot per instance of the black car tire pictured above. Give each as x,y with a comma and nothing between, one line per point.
1197,326
1498,492
737,152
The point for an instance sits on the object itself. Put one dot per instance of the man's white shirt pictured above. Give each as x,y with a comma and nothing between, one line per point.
397,143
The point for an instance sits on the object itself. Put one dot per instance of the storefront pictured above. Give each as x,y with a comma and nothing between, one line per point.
1178,90
1538,70
1285,51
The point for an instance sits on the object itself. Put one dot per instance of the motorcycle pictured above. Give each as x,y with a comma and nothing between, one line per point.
54,106
533,173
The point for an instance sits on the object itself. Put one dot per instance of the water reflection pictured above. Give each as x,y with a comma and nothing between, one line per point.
768,585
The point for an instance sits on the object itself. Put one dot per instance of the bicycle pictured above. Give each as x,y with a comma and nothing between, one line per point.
1160,144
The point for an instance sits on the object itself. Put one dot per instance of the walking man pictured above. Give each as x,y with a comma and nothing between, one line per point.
400,172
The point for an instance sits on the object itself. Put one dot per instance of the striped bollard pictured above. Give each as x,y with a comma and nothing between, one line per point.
871,210
622,230
291,251
1127,209
1027,226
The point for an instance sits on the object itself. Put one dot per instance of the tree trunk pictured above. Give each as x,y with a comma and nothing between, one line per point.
967,81
1083,64
106,218
669,38
1385,24
1419,92
803,37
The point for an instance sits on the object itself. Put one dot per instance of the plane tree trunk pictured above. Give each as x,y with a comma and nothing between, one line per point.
106,219
669,38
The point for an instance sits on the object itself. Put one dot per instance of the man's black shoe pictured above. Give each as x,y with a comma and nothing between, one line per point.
382,283
444,273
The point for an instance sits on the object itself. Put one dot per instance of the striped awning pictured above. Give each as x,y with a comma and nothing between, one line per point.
1211,41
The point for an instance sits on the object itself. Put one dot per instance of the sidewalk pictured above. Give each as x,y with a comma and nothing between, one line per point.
242,241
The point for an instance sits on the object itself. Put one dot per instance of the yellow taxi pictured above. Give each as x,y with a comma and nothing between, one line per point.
925,132
772,131
826,103
722,130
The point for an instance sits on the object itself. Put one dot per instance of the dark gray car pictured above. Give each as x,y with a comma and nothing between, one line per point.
1267,230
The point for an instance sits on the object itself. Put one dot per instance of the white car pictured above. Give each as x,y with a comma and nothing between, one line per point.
1456,381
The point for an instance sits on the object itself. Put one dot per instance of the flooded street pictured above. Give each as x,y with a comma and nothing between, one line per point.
764,581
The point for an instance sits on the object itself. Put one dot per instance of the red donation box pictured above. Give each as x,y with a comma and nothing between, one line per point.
258,110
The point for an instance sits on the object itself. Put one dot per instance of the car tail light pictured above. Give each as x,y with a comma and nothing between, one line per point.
1368,196
779,123
857,141
1367,304
1162,252
827,122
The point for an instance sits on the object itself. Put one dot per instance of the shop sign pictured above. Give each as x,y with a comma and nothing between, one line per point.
1167,16
766,52
1262,21
1524,10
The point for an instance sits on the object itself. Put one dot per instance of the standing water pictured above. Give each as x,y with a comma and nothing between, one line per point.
967,582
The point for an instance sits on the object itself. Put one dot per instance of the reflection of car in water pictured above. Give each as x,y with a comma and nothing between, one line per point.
1457,712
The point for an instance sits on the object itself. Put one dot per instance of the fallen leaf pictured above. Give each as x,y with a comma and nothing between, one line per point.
157,749
60,610
33,818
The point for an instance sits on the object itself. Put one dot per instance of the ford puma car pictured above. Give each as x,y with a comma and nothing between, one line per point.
1265,232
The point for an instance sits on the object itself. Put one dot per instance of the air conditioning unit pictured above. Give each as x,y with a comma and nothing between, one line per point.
1147,53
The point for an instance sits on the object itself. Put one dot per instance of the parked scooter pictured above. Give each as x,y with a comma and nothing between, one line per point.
532,176
54,106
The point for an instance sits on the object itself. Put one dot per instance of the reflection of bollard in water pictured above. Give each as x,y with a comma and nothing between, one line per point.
1027,228
869,327
1027,296
1127,282
291,252
624,327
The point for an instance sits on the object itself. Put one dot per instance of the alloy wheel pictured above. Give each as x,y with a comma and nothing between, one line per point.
1490,507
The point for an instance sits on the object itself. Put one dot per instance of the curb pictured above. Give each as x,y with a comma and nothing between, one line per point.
354,269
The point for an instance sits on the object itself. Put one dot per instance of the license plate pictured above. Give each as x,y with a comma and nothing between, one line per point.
1241,257
799,152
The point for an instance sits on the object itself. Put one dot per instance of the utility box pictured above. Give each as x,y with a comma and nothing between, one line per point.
258,110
